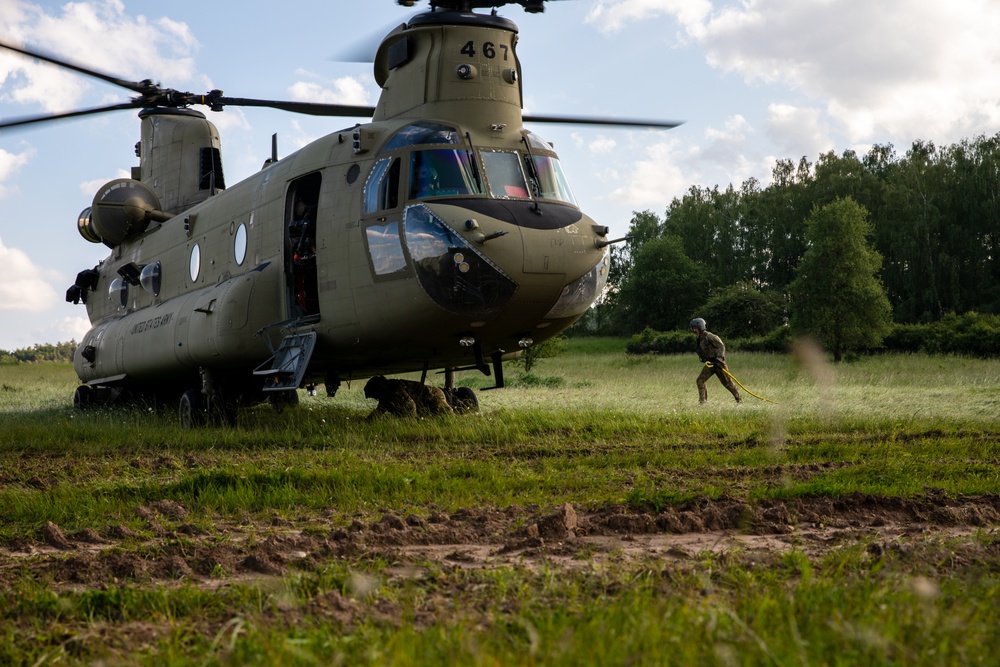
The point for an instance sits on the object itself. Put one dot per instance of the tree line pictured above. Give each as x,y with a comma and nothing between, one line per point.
925,226
61,352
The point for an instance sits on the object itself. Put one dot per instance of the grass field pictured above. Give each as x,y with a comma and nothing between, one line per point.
591,513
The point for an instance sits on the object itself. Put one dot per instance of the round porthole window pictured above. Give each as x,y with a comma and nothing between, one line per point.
352,173
150,278
240,244
118,291
195,265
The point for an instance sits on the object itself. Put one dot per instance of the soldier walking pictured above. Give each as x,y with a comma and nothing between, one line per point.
712,349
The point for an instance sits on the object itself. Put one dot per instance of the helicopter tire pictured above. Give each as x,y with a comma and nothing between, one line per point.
464,400
190,411
83,397
223,411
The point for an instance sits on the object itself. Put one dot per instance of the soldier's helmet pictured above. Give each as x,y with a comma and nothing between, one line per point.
698,324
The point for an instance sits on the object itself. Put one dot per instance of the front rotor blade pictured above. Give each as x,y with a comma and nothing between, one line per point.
311,108
622,122
27,120
139,87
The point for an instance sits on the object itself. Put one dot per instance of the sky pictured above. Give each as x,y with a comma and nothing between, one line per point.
754,81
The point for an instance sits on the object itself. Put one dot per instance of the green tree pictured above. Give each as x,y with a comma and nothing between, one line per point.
663,288
778,219
738,311
604,316
836,296
712,225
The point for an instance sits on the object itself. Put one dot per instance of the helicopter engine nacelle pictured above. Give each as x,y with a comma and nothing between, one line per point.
121,211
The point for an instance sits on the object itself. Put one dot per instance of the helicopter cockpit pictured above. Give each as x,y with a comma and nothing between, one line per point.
450,169
439,167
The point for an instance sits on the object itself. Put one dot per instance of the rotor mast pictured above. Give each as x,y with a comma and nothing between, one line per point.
451,64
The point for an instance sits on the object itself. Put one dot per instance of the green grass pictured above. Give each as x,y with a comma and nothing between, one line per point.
594,428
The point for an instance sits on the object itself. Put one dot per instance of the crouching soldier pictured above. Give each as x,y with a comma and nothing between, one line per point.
405,398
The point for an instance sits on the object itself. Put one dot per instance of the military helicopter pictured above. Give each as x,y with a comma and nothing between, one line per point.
442,235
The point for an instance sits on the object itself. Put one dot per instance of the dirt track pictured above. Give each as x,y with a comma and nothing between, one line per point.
174,548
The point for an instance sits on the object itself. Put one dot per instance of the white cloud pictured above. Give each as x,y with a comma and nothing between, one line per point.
10,163
602,145
612,15
62,331
728,153
90,188
232,118
24,286
899,69
300,137
344,90
98,35
653,181
797,131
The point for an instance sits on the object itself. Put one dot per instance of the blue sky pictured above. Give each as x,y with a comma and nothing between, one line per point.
755,81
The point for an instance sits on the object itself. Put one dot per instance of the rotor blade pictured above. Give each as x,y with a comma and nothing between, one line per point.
365,48
311,108
27,120
136,86
622,122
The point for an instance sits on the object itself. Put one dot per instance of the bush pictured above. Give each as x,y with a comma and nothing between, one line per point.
778,340
530,357
683,342
661,342
971,334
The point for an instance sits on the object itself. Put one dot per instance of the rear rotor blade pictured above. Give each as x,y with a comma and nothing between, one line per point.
27,120
136,86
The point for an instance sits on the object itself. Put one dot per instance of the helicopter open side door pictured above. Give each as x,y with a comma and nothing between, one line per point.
301,204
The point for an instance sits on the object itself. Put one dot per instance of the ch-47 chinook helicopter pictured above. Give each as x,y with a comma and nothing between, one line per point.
441,235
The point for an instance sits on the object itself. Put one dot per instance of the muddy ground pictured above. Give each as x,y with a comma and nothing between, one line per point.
173,548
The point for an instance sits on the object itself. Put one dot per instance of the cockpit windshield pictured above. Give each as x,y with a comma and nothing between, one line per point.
442,171
441,164
424,132
504,173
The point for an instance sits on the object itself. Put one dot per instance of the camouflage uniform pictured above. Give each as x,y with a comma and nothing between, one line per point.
711,348
405,398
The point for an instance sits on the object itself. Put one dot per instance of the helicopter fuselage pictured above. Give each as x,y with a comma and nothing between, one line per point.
393,279
441,235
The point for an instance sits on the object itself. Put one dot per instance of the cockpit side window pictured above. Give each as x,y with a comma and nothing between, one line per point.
505,176
385,249
549,180
382,186
545,172
535,142
389,191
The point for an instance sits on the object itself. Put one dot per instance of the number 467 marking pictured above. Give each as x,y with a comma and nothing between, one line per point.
489,50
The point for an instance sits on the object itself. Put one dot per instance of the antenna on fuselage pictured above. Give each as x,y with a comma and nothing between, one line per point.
274,151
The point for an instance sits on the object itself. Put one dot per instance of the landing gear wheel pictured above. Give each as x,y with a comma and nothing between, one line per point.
83,397
190,411
464,400
223,411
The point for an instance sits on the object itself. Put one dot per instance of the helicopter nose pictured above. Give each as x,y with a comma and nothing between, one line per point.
557,269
